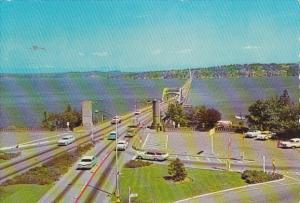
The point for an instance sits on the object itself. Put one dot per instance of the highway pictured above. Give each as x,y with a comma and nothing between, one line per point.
98,184
24,163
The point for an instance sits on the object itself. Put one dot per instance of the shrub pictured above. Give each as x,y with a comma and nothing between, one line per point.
176,170
51,170
253,176
137,164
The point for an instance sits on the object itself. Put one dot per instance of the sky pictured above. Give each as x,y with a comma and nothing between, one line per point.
88,35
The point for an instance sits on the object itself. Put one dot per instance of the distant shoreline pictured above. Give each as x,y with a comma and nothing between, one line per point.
223,71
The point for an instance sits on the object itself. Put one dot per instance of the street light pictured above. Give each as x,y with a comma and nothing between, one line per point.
117,167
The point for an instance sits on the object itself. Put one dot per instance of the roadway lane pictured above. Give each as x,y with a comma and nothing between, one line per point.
69,186
22,164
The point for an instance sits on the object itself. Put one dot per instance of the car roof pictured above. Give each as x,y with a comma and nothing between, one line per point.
113,132
87,157
295,139
69,135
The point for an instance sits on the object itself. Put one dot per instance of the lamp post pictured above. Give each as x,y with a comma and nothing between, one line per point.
117,166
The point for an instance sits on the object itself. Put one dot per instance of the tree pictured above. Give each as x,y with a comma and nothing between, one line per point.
200,115
176,114
211,117
276,113
60,120
176,170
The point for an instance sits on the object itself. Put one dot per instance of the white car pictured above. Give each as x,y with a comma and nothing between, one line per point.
122,145
252,134
66,140
292,143
86,162
137,112
264,135
116,119
154,155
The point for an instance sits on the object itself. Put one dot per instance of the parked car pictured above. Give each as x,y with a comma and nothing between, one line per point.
86,162
264,135
131,131
112,135
66,140
225,124
116,119
122,145
292,143
137,112
252,134
154,155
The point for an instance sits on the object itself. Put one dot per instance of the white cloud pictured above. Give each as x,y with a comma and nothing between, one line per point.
299,37
251,47
101,54
156,52
185,51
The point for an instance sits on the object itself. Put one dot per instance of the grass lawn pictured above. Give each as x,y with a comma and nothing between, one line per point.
22,193
2,161
150,185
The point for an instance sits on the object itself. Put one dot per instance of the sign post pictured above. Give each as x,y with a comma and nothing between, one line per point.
211,132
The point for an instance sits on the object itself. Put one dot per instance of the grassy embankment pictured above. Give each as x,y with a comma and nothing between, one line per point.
149,183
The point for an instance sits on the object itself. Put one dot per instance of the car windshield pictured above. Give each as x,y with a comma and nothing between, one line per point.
86,160
66,138
121,142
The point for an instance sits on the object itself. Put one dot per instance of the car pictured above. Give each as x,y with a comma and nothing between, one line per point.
112,135
292,143
122,145
264,135
116,119
131,131
224,124
252,134
66,140
135,122
154,155
86,162
137,112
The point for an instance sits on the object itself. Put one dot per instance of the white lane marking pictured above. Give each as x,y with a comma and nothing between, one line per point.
145,140
219,160
208,159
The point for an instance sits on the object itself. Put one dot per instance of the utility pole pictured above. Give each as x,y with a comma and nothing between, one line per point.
117,167
273,164
211,132
228,153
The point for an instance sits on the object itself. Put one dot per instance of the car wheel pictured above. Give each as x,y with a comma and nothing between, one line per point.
293,147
